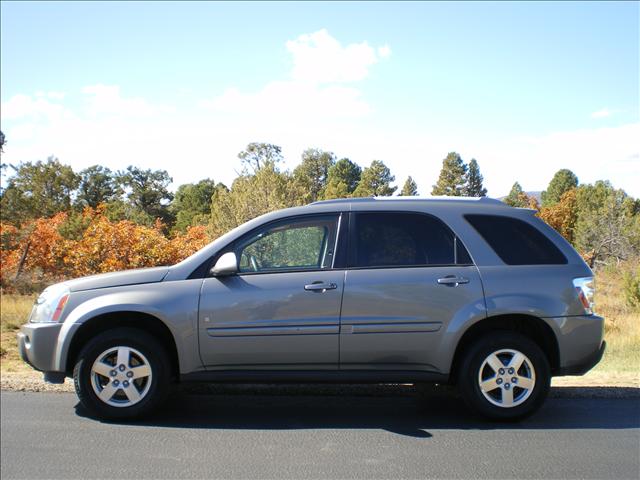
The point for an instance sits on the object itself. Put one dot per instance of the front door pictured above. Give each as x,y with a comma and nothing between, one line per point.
408,278
282,309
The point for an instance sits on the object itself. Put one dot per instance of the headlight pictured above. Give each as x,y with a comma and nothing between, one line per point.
50,304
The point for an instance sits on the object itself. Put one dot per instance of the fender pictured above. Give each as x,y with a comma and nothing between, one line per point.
175,304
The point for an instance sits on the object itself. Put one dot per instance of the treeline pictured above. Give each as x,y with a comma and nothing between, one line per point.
58,223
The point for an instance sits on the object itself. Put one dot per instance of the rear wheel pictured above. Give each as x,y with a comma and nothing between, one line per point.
504,376
122,373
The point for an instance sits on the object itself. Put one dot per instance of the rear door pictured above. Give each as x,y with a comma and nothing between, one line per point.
408,278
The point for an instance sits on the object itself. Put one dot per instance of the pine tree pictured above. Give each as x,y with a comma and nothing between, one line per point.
452,176
473,186
375,181
410,188
563,181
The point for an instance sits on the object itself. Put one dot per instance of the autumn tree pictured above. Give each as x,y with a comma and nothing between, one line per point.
410,188
342,179
375,181
561,182
473,186
97,185
39,189
452,177
258,155
563,215
313,172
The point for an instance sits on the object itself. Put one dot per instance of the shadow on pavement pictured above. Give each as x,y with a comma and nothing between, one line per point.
402,409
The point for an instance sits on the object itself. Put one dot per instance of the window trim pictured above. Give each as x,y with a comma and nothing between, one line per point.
231,246
353,224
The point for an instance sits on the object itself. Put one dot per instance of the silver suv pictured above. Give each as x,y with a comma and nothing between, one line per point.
464,291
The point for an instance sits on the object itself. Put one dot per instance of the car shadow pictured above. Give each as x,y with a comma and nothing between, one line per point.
402,409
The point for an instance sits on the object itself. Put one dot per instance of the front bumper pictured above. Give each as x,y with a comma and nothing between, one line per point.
37,344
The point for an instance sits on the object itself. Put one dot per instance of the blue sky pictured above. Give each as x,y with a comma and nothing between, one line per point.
525,88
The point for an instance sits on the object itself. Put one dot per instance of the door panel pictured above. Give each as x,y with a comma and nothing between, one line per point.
395,318
269,320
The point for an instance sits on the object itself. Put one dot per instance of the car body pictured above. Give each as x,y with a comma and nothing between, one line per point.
358,290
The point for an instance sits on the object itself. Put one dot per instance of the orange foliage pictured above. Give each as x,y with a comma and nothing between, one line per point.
563,215
104,246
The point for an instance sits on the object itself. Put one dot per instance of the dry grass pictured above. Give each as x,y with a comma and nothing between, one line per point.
622,326
621,363
15,310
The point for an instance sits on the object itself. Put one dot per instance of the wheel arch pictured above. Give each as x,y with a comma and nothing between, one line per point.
131,319
531,326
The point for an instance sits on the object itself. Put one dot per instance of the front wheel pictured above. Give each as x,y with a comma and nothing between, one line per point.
122,373
504,376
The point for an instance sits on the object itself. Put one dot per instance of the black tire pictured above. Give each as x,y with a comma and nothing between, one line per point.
469,372
158,383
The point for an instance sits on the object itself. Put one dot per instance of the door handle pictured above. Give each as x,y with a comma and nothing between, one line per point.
452,280
314,287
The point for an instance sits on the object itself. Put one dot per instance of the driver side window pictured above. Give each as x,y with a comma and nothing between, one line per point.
301,244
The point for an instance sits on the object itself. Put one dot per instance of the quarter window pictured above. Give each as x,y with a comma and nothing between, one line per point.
303,244
516,242
404,239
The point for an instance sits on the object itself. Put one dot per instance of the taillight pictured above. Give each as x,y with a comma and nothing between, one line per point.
60,308
585,288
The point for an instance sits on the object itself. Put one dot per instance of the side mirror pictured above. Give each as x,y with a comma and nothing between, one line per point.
226,265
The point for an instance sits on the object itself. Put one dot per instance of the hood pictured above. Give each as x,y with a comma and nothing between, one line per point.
118,279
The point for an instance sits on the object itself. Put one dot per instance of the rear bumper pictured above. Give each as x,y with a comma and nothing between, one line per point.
585,365
580,343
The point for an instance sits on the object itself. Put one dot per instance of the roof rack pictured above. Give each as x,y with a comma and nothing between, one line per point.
483,200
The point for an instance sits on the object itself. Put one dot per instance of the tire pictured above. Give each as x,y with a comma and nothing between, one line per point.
121,374
488,387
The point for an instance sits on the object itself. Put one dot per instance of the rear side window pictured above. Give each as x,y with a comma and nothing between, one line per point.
516,242
403,239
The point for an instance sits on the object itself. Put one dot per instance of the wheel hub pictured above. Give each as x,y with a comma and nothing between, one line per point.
506,378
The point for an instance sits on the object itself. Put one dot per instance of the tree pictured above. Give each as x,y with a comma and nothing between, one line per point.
312,174
452,176
342,179
258,155
192,203
608,223
148,191
563,215
97,185
563,181
3,141
473,185
514,197
253,195
410,188
375,181
39,189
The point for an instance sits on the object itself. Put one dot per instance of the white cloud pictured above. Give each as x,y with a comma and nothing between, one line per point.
320,58
106,99
288,101
315,90
603,113
33,107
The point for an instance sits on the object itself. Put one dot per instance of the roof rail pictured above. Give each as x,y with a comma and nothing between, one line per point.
484,200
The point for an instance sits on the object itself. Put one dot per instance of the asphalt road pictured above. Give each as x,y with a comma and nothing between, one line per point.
319,434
